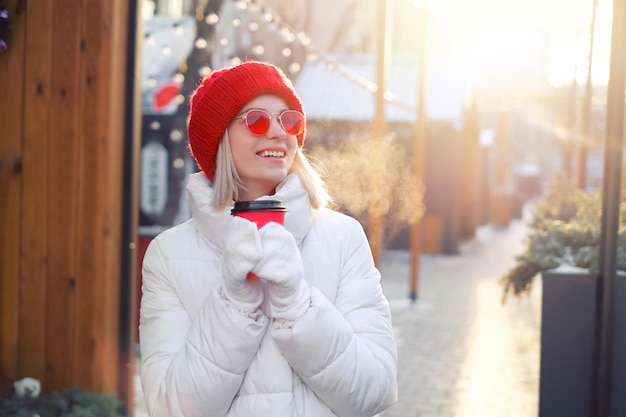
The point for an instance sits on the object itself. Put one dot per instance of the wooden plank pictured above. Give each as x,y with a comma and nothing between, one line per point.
100,190
11,103
34,251
114,82
63,148
91,313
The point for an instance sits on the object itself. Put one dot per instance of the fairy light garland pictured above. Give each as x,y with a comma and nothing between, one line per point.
260,14
291,34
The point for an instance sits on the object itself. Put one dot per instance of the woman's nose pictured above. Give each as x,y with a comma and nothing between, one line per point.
276,128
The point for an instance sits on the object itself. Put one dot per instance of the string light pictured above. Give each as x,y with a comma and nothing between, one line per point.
294,67
178,30
289,34
176,135
274,23
204,71
212,19
178,163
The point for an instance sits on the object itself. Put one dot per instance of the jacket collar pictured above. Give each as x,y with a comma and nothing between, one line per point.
212,223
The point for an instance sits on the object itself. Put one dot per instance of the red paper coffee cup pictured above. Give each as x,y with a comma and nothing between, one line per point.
260,212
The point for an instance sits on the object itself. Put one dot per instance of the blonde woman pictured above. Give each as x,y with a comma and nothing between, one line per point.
313,336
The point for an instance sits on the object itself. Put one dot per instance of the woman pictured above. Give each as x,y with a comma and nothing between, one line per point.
313,336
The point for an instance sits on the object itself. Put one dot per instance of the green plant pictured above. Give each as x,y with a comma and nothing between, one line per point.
71,402
564,229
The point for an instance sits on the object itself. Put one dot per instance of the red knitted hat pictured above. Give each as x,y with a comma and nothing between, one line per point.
221,96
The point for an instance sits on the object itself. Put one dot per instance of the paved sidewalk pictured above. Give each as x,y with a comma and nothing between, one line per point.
461,352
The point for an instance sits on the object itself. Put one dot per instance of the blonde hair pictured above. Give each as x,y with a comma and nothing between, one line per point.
227,184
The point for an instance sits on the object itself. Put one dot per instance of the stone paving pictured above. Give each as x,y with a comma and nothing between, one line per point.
462,353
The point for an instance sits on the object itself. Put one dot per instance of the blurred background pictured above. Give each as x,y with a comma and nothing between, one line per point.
509,91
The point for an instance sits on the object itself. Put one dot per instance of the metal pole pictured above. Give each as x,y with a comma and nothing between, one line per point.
568,146
418,154
130,211
613,154
375,231
585,130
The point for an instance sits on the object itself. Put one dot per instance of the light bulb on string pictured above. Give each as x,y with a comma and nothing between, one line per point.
178,30
294,67
212,19
236,22
371,86
253,26
178,163
179,78
176,135
258,50
224,41
201,43
242,5
166,50
204,71
286,52
267,16
149,40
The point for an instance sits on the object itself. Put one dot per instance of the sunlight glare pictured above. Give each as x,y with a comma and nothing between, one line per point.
550,36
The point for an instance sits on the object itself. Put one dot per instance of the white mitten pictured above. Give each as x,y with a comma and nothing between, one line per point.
241,252
281,266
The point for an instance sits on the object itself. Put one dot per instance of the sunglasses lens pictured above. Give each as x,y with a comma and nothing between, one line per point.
293,122
258,121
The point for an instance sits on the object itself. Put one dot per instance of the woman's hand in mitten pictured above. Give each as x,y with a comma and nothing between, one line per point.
241,252
281,266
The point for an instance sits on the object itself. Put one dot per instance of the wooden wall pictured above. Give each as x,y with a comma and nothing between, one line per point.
62,124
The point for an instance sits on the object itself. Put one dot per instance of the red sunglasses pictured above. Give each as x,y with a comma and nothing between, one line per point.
258,121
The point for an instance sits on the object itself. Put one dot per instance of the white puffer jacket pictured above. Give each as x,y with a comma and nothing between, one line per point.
203,358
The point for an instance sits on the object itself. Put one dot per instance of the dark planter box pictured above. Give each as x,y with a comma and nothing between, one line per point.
567,344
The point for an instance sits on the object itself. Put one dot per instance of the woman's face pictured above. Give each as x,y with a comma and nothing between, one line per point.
262,161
